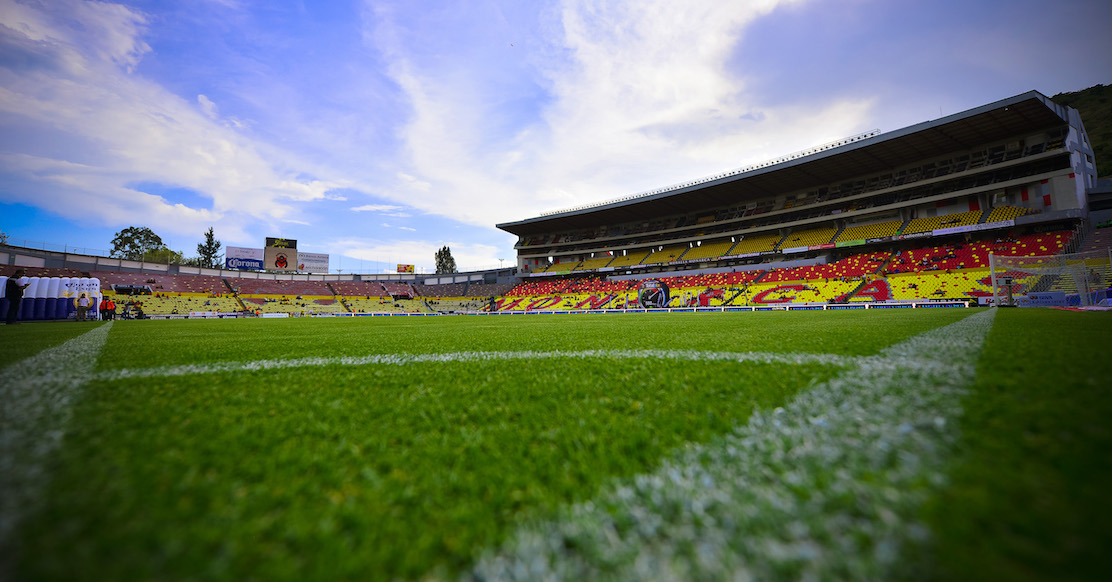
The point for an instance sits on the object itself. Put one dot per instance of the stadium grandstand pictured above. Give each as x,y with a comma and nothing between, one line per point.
178,291
882,218
910,215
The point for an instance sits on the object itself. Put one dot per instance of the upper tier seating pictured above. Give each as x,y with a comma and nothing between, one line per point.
1005,213
709,250
928,224
442,290
756,243
809,237
163,283
665,255
399,289
876,230
562,267
488,289
280,287
630,259
595,263
358,288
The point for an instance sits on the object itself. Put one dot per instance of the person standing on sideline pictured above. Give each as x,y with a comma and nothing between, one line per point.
14,292
82,307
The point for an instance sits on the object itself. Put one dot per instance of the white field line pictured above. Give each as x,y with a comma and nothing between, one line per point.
404,359
36,398
826,488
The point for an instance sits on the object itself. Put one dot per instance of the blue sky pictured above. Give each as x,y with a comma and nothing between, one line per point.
379,131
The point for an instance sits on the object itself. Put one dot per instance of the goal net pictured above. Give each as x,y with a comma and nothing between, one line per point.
1068,280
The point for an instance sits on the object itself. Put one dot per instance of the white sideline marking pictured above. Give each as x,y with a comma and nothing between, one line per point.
404,359
827,487
36,398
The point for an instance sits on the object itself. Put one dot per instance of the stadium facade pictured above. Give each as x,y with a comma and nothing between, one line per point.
1022,162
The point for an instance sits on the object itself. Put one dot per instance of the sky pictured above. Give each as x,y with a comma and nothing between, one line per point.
380,131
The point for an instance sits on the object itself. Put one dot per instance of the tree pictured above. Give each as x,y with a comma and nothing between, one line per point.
164,255
444,261
3,238
208,252
139,243
135,242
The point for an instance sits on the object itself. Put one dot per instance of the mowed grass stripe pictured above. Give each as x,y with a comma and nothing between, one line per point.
532,358
36,397
1028,494
27,339
145,344
829,486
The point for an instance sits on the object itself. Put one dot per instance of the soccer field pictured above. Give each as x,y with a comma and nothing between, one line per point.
927,443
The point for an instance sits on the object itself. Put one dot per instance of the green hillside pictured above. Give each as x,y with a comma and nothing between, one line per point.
1096,111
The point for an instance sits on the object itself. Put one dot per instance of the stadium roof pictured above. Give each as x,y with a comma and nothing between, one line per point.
1028,112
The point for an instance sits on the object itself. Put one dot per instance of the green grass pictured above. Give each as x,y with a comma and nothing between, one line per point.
148,343
341,473
18,342
382,471
1029,498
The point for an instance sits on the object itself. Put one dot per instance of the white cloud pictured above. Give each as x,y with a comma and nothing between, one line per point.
468,256
129,130
207,106
376,208
639,95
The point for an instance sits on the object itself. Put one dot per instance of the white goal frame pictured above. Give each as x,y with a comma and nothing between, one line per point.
1071,279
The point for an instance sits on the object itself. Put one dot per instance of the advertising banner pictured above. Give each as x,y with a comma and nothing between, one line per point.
243,258
312,262
405,268
973,227
1043,299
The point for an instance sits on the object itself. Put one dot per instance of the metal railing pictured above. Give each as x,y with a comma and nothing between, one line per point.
56,248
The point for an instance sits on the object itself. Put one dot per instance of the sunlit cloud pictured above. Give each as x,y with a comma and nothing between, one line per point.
315,121
468,256
125,129
376,208
635,96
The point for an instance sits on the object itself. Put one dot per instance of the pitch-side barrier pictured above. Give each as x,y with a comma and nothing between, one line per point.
780,307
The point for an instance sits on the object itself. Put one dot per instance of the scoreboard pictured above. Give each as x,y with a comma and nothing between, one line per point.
280,254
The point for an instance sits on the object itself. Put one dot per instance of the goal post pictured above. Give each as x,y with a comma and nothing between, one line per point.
1067,280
